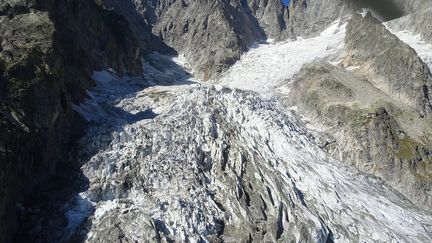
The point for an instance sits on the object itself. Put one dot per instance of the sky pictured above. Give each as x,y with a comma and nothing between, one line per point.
286,2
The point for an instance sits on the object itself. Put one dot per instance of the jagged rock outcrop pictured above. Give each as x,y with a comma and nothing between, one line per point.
390,64
212,34
370,105
138,25
272,17
309,18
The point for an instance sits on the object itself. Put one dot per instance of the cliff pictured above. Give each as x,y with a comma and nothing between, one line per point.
48,50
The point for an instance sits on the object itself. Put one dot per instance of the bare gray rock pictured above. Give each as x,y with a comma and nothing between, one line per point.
418,22
365,123
212,34
390,64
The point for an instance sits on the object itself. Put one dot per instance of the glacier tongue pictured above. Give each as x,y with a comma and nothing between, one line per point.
195,162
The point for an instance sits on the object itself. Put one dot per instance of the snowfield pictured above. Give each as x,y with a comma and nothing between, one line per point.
266,66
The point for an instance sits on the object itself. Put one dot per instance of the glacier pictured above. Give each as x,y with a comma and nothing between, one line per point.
210,162
170,158
269,66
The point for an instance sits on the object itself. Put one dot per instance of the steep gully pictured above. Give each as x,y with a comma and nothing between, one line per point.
190,161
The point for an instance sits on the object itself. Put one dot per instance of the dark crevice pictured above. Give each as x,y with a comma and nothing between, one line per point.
279,222
269,192
300,196
330,237
247,198
225,155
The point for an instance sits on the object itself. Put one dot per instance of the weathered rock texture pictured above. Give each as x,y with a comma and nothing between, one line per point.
418,22
370,107
365,124
48,49
212,34
388,63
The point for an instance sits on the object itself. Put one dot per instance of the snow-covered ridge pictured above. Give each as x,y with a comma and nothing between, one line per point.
266,66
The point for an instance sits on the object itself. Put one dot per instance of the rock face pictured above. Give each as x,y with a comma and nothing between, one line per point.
417,22
365,122
221,30
398,70
19,63
213,34
309,18
47,51
369,103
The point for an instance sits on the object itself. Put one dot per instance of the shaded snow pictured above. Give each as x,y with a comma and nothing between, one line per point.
104,207
76,211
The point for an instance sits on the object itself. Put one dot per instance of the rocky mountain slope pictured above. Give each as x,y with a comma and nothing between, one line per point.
332,143
48,50
212,48
213,34
360,103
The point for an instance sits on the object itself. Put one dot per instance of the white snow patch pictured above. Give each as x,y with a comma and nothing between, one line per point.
352,68
265,67
182,61
107,90
271,41
104,207
423,49
364,12
335,62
